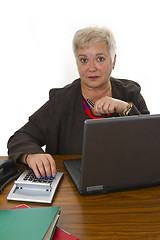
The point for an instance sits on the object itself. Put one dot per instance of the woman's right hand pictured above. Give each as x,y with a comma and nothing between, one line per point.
42,164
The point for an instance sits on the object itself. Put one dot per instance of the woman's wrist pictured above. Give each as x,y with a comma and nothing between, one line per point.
25,158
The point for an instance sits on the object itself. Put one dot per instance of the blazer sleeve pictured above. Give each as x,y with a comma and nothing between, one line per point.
32,136
138,103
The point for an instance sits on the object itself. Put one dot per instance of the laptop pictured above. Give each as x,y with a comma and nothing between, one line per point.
117,154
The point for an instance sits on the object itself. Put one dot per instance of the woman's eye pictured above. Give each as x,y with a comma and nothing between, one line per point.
83,60
100,59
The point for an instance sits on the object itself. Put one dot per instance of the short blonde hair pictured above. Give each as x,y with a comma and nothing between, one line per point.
91,35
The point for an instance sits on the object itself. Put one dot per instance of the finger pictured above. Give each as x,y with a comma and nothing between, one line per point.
47,165
111,108
52,165
31,160
41,168
36,171
105,108
34,167
98,106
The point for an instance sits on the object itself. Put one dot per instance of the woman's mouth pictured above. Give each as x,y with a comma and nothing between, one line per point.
93,77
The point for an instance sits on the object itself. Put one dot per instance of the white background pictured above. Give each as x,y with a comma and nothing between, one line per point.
36,50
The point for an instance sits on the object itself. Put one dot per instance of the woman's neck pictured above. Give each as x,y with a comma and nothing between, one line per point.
95,94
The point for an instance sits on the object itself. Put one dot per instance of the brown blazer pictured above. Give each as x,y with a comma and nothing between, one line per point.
58,124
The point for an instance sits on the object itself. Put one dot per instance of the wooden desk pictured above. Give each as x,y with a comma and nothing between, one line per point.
122,215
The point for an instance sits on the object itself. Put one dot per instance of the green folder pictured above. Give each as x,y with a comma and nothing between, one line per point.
28,223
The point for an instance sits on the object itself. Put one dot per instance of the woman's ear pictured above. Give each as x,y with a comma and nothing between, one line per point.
114,61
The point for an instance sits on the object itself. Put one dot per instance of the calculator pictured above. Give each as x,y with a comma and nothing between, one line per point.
32,189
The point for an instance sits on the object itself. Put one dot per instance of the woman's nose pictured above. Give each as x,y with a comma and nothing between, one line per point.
92,66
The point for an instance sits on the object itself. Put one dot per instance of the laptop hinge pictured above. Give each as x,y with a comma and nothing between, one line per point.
95,188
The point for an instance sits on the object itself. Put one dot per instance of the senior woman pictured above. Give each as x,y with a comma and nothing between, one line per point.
58,124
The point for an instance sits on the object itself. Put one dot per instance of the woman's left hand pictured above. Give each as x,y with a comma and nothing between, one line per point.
110,105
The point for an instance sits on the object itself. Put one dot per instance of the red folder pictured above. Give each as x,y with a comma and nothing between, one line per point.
60,234
21,206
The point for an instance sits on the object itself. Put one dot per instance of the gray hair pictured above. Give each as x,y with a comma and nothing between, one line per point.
88,36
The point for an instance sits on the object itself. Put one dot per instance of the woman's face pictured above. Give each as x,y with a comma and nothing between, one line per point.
94,65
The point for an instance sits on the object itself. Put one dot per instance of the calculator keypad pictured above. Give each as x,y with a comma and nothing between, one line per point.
30,176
